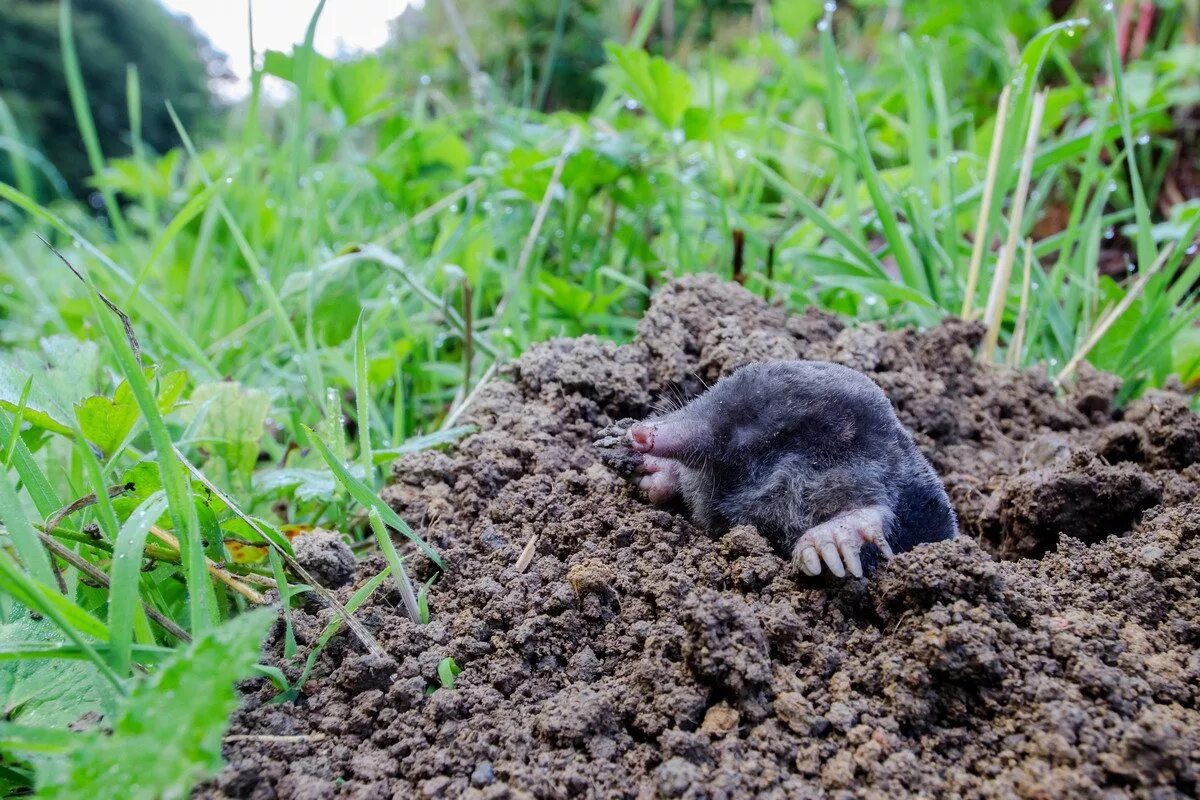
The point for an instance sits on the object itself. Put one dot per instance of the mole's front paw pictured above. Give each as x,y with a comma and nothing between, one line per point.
839,541
660,478
616,452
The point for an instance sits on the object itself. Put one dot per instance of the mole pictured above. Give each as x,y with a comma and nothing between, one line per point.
810,453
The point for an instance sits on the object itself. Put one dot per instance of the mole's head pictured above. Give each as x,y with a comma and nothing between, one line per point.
748,418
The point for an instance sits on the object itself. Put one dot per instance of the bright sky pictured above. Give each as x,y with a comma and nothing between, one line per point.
345,25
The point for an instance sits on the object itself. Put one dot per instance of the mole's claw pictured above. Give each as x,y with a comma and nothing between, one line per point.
829,553
839,542
848,547
810,562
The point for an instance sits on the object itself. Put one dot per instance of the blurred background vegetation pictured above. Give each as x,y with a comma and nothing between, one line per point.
319,274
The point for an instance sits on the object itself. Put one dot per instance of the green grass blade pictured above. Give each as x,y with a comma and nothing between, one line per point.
183,510
388,547
1143,239
45,499
352,605
149,308
83,116
125,576
362,400
24,538
22,172
838,122
368,499
822,220
285,600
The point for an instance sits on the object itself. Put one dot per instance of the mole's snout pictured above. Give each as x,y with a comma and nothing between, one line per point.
641,436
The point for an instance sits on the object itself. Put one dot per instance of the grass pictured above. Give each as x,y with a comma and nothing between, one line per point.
326,286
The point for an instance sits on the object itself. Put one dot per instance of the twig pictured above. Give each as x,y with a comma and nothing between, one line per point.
1114,314
739,256
538,219
468,334
459,409
89,500
527,553
467,55
125,321
985,207
998,296
268,737
220,574
83,565
429,213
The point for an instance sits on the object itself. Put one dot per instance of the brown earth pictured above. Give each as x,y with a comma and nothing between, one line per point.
639,657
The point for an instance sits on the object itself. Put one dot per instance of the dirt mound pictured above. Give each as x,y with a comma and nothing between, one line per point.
638,657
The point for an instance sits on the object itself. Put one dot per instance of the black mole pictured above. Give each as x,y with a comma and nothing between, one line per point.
810,453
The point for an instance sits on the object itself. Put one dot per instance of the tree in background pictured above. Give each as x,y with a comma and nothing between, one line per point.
173,60
544,53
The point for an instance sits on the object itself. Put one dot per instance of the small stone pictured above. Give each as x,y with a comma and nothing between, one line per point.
483,774
720,720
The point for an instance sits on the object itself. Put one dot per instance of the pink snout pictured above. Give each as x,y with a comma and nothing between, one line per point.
641,436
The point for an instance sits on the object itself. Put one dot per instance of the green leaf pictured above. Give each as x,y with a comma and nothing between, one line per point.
309,484
797,18
124,591
104,422
359,87
167,736
448,669
229,418
64,371
50,694
658,85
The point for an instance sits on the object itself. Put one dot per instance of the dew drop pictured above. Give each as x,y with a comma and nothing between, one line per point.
1144,139
1109,233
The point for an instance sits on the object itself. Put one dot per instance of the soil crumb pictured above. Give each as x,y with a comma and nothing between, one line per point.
1052,651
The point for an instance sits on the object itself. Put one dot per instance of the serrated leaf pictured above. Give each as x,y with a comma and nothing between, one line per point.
167,736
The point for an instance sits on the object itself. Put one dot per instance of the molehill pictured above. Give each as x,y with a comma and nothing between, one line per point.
1053,651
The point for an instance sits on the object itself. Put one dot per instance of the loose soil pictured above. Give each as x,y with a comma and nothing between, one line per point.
1052,651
